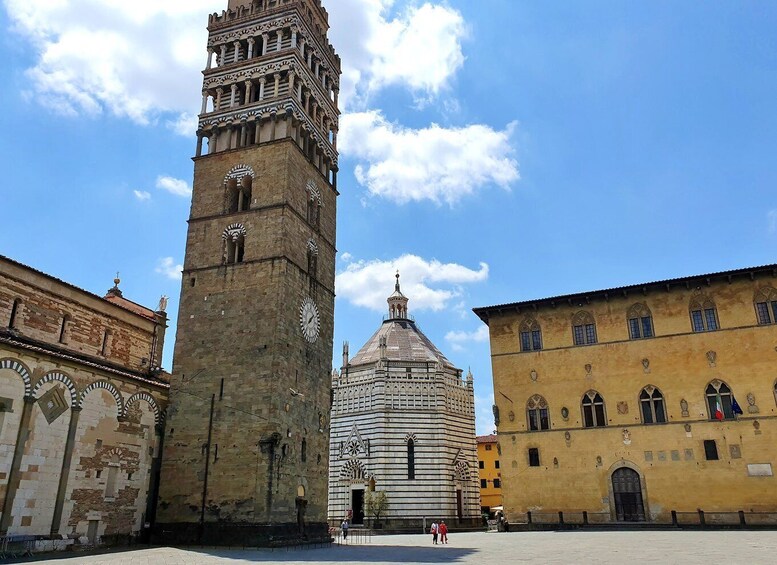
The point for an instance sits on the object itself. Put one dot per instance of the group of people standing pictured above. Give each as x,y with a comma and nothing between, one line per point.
439,529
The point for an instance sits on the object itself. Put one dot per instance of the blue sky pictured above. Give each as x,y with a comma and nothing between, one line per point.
493,151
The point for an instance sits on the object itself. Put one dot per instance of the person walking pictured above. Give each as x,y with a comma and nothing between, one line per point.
344,528
433,531
443,532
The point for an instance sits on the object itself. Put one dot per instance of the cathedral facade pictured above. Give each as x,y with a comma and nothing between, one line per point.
403,422
247,435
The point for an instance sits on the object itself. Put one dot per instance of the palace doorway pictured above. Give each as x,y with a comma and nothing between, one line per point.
627,491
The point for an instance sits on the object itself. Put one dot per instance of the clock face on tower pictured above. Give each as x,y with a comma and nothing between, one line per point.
308,320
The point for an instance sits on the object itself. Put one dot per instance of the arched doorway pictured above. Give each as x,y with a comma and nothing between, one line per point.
627,492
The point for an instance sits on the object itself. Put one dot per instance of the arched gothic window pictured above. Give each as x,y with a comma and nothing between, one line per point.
640,321
410,459
312,266
719,401
538,414
594,415
652,403
766,305
583,328
704,315
531,335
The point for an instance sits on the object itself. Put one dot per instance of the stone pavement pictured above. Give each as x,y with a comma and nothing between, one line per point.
751,547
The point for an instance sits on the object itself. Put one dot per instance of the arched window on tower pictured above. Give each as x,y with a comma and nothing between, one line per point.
704,315
410,459
234,244
583,328
640,321
766,305
239,193
594,415
314,206
652,403
531,335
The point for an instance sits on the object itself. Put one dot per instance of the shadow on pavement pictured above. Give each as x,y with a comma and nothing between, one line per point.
351,554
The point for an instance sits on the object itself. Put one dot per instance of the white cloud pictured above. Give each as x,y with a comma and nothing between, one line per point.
174,186
429,284
434,163
138,60
142,195
419,49
345,257
168,267
772,217
479,335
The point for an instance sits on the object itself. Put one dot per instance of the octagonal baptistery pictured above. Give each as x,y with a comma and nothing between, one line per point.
403,422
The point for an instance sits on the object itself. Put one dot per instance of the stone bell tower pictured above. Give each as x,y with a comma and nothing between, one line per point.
246,444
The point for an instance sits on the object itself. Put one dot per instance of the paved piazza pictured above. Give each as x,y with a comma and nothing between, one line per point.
488,548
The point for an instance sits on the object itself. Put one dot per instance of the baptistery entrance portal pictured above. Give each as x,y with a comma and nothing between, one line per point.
627,491
357,506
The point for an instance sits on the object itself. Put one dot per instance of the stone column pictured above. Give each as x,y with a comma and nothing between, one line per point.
334,138
337,94
265,40
249,91
234,96
279,43
14,474
213,140
307,102
210,59
258,132
64,475
237,52
274,119
199,143
219,94
317,68
294,37
243,132
277,78
223,58
291,83
251,43
204,101
262,83
310,59
314,112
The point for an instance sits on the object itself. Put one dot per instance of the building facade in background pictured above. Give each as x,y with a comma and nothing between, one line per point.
403,422
489,474
248,442
82,400
632,402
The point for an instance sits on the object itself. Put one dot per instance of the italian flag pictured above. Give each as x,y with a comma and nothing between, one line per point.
718,410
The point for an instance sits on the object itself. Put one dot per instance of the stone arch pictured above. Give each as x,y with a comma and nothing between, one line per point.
238,172
234,232
21,370
107,386
149,399
59,377
410,436
620,464
461,470
353,471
